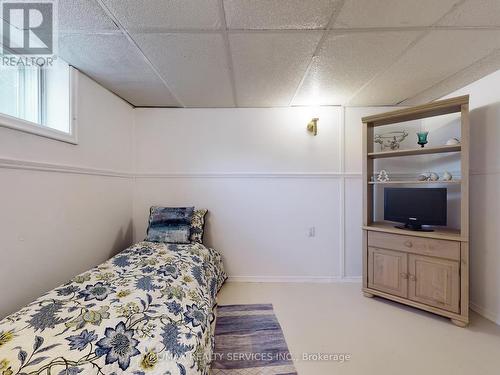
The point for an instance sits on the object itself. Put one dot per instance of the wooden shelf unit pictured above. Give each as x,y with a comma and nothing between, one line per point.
426,270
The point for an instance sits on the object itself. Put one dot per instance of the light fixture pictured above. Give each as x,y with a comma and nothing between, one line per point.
312,127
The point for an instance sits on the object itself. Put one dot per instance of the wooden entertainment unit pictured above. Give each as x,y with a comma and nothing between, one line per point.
426,270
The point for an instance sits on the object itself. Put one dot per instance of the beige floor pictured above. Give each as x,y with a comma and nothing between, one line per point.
382,337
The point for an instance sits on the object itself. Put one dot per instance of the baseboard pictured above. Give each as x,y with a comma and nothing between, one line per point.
350,279
495,318
294,279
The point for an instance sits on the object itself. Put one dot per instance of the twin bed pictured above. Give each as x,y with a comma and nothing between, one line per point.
148,310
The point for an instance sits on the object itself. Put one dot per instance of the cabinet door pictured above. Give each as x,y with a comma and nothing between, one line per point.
387,271
435,282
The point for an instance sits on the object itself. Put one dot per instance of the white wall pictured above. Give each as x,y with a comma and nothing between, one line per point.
484,190
64,208
237,140
259,224
265,180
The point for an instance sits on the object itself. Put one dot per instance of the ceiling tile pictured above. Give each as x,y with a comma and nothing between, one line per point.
83,15
474,13
113,62
278,14
157,15
268,67
392,13
346,62
436,57
194,65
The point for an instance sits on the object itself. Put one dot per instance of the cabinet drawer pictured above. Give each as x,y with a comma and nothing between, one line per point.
416,245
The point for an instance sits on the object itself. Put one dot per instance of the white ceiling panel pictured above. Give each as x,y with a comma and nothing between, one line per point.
436,57
392,13
346,62
83,15
474,13
278,14
268,67
194,65
143,15
112,61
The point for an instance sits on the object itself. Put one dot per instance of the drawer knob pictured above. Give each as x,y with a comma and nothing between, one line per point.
413,278
408,243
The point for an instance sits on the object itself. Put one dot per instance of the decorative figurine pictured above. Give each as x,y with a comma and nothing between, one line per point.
424,176
422,138
447,176
383,176
434,176
452,142
390,140
428,176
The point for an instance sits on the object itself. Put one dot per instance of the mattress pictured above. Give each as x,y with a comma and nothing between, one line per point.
148,310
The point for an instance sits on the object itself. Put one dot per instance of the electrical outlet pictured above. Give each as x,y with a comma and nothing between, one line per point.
311,232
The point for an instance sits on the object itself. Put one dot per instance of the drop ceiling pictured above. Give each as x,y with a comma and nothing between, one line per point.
264,53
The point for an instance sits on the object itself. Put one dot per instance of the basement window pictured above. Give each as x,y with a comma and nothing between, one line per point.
39,100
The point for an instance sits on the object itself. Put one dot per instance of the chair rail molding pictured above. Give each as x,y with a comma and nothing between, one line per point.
9,163
298,175
13,163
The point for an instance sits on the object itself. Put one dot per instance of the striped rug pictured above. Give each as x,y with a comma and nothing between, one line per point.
249,341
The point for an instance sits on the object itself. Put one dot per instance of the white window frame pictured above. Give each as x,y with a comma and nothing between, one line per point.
12,122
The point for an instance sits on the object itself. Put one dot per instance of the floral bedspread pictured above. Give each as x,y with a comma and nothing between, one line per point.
148,310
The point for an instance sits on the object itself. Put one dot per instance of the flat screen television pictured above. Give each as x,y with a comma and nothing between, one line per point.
415,207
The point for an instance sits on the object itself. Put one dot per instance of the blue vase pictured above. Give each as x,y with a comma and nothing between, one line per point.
422,138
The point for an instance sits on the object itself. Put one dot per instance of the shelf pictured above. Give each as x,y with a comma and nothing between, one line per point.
415,151
410,182
439,233
438,108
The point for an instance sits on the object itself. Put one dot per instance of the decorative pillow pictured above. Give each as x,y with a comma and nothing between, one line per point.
198,225
170,224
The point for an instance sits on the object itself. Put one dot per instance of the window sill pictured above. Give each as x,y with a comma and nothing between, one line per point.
15,123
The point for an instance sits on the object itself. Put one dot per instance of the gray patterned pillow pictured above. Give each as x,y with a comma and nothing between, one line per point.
198,225
170,224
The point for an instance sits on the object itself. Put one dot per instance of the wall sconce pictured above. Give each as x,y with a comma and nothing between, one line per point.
312,127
